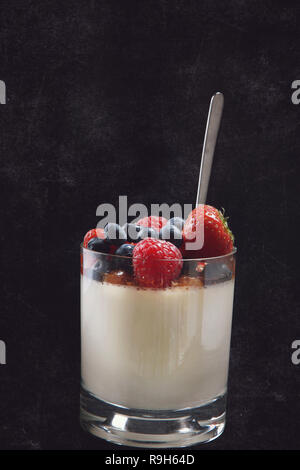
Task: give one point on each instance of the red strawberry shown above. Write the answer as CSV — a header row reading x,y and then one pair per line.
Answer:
x,y
156,262
212,225
153,221
95,232
200,267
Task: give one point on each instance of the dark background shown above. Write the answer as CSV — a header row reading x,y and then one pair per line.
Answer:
x,y
109,98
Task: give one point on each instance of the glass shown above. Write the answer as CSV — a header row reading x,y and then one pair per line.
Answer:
x,y
154,362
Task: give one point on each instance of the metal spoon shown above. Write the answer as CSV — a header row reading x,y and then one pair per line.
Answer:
x,y
210,139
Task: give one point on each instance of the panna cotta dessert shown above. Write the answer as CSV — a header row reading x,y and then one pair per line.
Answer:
x,y
156,317
155,349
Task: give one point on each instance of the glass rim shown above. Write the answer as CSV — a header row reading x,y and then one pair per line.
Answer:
x,y
199,260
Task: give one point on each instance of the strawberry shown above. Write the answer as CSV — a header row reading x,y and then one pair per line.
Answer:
x,y
212,225
153,221
200,267
95,232
156,263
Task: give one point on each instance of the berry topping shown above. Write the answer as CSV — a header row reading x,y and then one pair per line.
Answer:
x,y
178,222
200,267
132,232
125,250
97,271
156,263
207,223
171,234
216,272
147,232
94,233
153,221
115,234
99,245
124,264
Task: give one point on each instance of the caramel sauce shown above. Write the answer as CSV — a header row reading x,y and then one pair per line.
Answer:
x,y
120,278
188,281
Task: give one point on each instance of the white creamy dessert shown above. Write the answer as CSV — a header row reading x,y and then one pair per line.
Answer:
x,y
155,349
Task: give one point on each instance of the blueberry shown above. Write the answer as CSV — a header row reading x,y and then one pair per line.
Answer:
x,y
216,272
115,234
171,234
124,264
132,232
146,232
99,245
99,269
178,222
125,250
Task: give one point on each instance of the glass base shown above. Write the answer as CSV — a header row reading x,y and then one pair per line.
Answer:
x,y
152,428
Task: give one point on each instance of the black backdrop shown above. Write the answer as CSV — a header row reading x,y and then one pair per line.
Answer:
x,y
108,98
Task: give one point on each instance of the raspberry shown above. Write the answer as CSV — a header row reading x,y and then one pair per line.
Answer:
x,y
156,263
95,232
153,221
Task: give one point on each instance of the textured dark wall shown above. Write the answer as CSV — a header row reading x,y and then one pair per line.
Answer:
x,y
111,97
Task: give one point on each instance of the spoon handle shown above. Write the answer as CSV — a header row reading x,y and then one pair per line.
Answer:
x,y
210,139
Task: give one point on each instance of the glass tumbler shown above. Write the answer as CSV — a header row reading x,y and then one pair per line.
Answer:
x,y
154,361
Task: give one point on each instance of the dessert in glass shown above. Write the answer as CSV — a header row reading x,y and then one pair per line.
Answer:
x,y
155,330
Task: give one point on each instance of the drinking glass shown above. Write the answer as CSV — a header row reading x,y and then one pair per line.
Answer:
x,y
154,362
